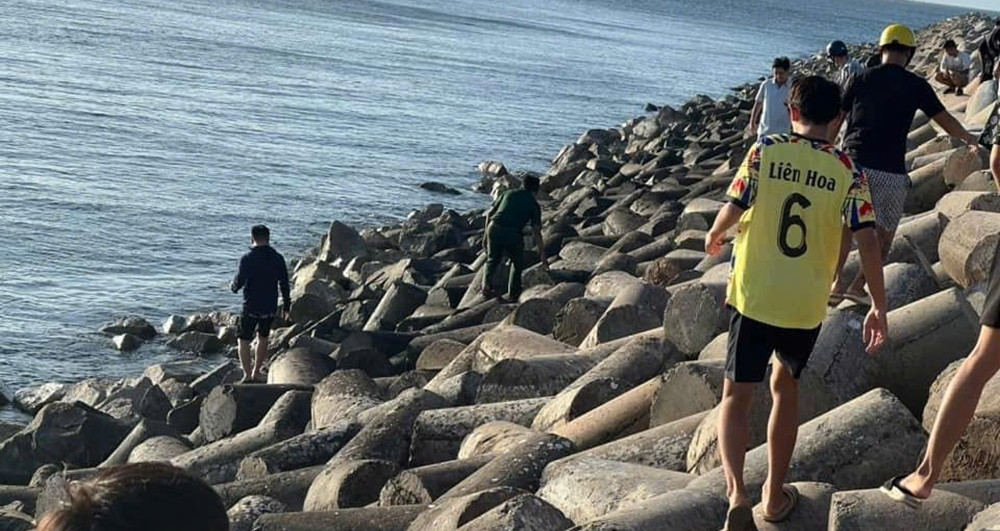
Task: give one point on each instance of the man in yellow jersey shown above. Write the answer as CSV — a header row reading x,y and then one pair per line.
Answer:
x,y
791,196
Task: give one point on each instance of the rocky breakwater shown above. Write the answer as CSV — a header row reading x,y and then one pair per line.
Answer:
x,y
399,399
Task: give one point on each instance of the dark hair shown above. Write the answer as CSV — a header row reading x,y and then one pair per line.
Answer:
x,y
531,183
147,496
950,44
817,98
782,62
260,233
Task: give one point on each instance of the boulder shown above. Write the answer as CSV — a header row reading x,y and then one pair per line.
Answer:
x,y
32,399
342,243
173,325
199,343
135,326
439,188
185,371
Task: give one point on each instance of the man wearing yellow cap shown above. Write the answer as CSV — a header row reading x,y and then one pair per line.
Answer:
x,y
880,103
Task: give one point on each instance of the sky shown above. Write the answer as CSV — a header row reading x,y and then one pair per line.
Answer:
x,y
991,5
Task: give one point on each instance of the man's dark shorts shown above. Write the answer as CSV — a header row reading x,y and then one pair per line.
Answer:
x,y
249,324
752,342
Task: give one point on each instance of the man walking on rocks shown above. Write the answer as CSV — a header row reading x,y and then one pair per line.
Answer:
x,y
880,103
504,235
790,197
847,67
963,393
260,274
770,111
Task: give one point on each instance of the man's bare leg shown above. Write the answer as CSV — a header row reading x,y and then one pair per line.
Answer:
x,y
846,242
245,361
260,356
734,437
782,431
957,408
885,238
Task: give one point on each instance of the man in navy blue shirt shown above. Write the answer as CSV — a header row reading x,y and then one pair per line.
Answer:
x,y
261,272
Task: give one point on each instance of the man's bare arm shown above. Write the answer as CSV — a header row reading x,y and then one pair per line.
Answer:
x,y
953,127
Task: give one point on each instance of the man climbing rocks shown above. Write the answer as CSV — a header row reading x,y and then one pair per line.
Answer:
x,y
505,222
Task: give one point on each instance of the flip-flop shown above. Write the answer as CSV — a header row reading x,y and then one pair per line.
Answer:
x,y
792,496
740,519
863,300
899,493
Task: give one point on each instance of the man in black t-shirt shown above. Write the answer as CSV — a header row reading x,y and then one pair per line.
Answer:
x,y
880,103
261,273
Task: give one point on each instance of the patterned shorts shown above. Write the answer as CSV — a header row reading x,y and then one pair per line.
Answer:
x,y
889,192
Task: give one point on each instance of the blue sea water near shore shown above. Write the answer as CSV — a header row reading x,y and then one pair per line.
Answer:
x,y
140,139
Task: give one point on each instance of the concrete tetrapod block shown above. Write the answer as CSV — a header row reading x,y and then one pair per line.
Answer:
x,y
987,520
537,315
217,462
577,318
396,518
610,284
387,437
955,204
520,467
398,303
18,495
472,316
637,308
245,513
524,513
857,445
308,449
587,488
919,136
968,246
348,484
717,349
453,513
625,415
976,454
144,430
494,438
926,336
514,379
681,510
423,485
289,488
695,314
839,356
641,358
162,448
663,446
230,409
439,354
814,400
342,396
438,434
951,506
688,388
300,366
810,514
940,144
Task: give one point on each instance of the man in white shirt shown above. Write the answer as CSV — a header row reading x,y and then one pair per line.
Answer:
x,y
954,70
770,112
847,67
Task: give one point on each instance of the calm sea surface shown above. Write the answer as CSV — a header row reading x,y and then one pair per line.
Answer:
x,y
140,139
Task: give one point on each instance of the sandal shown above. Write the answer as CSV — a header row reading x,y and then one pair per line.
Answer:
x,y
897,492
740,519
792,496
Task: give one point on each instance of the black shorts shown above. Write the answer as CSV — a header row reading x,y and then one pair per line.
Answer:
x,y
254,323
752,342
991,306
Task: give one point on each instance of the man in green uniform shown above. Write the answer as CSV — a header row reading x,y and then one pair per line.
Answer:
x,y
504,225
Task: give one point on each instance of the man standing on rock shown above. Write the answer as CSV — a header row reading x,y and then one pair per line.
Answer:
x,y
964,392
504,226
261,272
847,67
770,110
791,197
953,72
880,104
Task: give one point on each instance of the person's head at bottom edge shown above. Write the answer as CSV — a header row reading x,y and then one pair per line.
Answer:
x,y
143,496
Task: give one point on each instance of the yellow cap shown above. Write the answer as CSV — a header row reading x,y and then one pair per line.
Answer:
x,y
898,34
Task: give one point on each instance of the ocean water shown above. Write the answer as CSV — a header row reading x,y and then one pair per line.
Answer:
x,y
139,139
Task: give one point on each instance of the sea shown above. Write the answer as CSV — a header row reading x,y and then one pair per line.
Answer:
x,y
140,139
